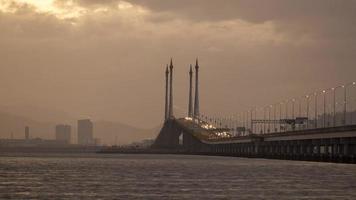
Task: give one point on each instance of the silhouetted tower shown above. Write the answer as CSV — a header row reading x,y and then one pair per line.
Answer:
x,y
63,133
171,90
196,100
166,114
190,105
85,132
27,132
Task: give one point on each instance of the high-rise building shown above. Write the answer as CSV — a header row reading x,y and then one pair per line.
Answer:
x,y
85,132
27,132
63,133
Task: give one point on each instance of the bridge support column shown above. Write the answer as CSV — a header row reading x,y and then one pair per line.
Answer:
x,y
346,149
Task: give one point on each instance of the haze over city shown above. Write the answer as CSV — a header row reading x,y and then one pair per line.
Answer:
x,y
105,60
178,99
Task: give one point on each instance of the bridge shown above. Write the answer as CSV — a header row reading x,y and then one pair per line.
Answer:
x,y
328,133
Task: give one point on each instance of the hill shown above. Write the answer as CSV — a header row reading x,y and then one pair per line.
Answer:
x,y
108,132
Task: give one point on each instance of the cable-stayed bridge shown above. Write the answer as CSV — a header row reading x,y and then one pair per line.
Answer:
x,y
320,126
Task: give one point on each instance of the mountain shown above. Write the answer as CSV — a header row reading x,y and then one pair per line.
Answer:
x,y
107,131
119,133
11,124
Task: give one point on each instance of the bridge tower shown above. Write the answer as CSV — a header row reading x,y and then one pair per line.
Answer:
x,y
166,114
171,90
190,105
196,100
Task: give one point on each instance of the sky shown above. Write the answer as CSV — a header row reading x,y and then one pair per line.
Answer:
x,y
105,59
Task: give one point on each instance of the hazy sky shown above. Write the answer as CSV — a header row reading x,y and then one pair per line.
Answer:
x,y
105,59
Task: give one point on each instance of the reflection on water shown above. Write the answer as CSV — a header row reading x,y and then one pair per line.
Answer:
x,y
93,176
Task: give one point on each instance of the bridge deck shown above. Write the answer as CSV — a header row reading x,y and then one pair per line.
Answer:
x,y
204,135
336,144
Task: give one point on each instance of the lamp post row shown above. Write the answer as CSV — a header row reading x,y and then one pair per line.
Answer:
x,y
245,119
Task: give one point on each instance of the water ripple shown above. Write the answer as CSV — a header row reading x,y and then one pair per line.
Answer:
x,y
95,176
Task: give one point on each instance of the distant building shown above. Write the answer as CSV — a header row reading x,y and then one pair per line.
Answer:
x,y
34,142
97,141
85,132
63,133
27,132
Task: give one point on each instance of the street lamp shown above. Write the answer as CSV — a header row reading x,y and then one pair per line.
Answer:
x,y
324,117
269,118
345,103
344,116
264,120
245,121
307,99
293,102
251,120
237,124
287,109
259,124
300,107
274,118
334,107
299,110
280,115
316,110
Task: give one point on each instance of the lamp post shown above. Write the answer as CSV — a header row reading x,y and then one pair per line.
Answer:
x,y
251,120
293,102
238,120
243,122
274,118
287,109
351,113
300,107
324,105
316,110
269,118
246,121
264,120
280,115
300,111
259,125
334,106
249,114
344,116
254,124
345,99
307,99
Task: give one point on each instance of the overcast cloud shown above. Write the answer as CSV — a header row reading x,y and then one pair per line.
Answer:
x,y
105,59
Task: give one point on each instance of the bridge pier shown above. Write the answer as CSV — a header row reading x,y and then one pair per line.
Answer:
x,y
333,148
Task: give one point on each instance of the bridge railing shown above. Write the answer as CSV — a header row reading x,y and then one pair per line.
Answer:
x,y
200,131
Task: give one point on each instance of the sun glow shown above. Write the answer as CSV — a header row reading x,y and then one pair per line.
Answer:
x,y
64,10
70,9
41,5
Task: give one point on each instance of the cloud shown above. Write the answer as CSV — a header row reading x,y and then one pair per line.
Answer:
x,y
108,61
322,20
